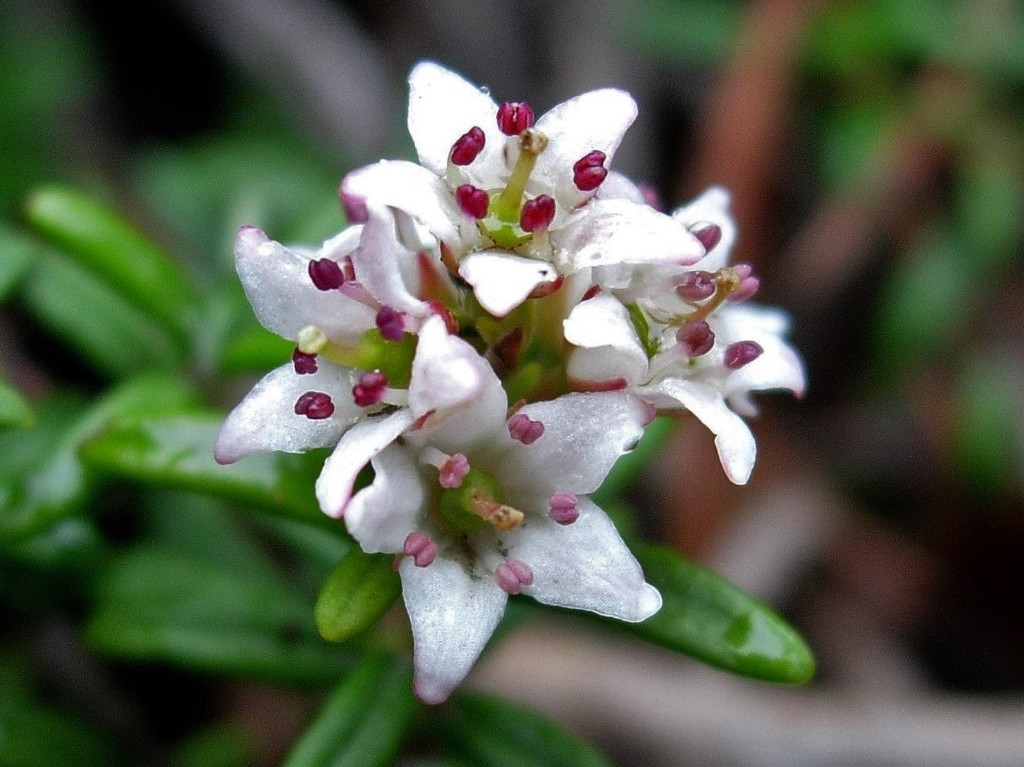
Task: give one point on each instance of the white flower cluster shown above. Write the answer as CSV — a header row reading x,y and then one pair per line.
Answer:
x,y
492,332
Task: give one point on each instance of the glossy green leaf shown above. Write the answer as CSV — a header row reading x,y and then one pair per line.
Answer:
x,y
118,339
36,736
107,245
359,591
55,482
155,604
14,410
177,451
17,254
255,351
364,721
705,616
490,732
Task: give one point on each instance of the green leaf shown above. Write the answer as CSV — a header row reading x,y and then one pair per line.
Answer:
x,y
628,468
14,410
110,247
359,591
255,351
177,451
705,616
56,481
160,605
490,732
364,721
17,254
118,339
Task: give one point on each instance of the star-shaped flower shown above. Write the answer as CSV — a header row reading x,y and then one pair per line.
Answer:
x,y
481,506
514,204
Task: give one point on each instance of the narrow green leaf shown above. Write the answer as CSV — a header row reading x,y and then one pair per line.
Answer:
x,y
160,605
14,410
113,335
255,351
364,721
359,591
490,732
17,254
102,241
627,469
177,451
705,616
57,482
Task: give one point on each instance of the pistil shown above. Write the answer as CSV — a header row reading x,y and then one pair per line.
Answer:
x,y
509,202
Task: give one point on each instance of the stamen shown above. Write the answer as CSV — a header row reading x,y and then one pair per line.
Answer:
x,y
589,171
453,470
512,575
468,146
741,353
304,364
564,507
390,324
708,234
748,283
311,340
695,338
523,429
326,274
696,285
514,117
537,214
420,547
315,405
472,201
370,389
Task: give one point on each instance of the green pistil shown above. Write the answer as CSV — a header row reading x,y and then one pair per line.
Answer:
x,y
475,504
373,352
643,329
510,201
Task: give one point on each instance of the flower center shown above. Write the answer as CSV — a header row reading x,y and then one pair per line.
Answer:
x,y
475,503
374,351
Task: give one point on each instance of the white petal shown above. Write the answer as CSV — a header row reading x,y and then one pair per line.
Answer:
x,y
585,566
611,347
622,232
408,187
356,448
266,420
501,281
442,107
453,613
457,387
712,207
284,298
383,265
584,434
382,515
618,186
591,121
733,439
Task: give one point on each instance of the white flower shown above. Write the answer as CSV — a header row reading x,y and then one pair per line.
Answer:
x,y
678,338
482,507
515,206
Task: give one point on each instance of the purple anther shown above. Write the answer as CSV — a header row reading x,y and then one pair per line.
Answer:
x,y
588,172
370,389
326,274
453,470
390,324
420,547
741,353
748,283
709,234
537,214
304,364
472,201
695,338
512,575
696,285
354,207
468,146
514,117
522,429
564,507
315,405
